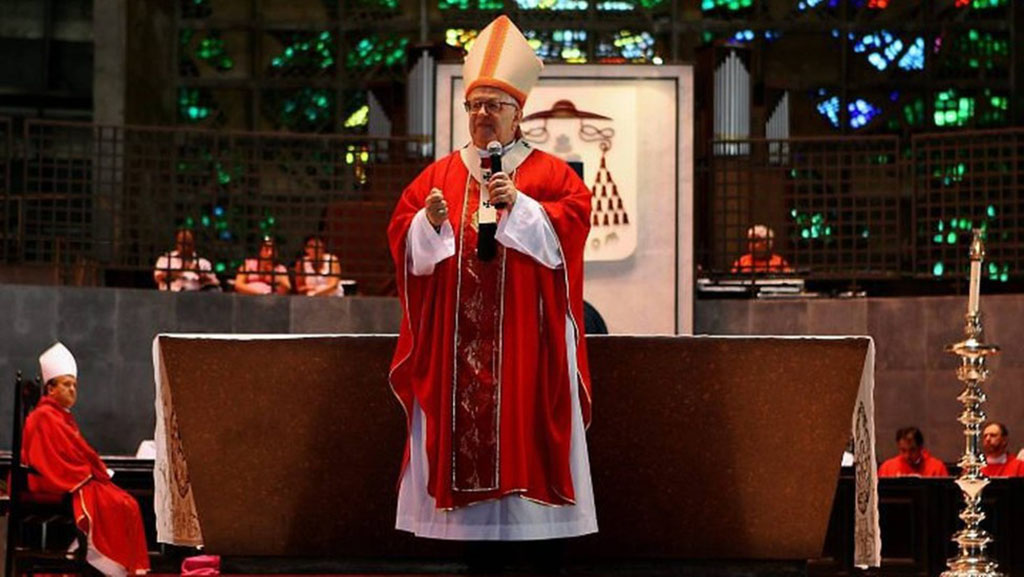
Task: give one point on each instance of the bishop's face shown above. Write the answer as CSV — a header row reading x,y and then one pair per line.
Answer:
x,y
64,390
501,124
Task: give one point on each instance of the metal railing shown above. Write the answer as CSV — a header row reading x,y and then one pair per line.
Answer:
x,y
101,204
867,207
111,198
833,204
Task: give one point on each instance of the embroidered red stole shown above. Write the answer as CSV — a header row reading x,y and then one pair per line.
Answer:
x,y
477,380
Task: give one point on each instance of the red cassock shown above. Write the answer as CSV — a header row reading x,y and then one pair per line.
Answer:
x,y
748,264
1013,467
929,466
482,347
65,463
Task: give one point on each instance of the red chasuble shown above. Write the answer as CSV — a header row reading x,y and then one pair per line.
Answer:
x,y
482,345
899,467
1013,467
54,447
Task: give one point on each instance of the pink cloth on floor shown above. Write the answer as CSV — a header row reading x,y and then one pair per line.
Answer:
x,y
200,565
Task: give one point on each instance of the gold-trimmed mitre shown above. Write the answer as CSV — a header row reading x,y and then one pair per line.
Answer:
x,y
502,58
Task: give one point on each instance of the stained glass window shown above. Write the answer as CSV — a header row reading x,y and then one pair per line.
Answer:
x,y
460,38
913,58
374,50
982,4
951,109
359,118
731,5
305,54
470,4
559,45
829,108
861,112
195,105
628,46
805,5
552,4
301,110
628,5
913,112
993,109
203,47
977,50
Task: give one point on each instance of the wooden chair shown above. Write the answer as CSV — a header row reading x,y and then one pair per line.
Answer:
x,y
32,517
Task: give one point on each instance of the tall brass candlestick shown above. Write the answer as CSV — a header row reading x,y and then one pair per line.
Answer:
x,y
971,560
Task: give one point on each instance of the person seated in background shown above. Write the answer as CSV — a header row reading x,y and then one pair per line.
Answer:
x,y
263,275
61,461
914,460
182,269
317,272
999,462
760,257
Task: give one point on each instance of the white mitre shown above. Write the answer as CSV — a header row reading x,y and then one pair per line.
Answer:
x,y
56,361
502,58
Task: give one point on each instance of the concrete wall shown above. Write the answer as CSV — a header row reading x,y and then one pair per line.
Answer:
x,y
111,332
915,380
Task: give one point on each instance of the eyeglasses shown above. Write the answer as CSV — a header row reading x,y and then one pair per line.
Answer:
x,y
488,106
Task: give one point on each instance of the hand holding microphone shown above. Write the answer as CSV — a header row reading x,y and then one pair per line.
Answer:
x,y
500,190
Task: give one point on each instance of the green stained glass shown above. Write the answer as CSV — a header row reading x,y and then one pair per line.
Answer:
x,y
195,105
952,110
913,112
976,51
302,110
730,5
304,54
988,4
488,5
373,51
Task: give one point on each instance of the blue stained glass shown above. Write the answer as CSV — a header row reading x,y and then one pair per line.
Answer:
x,y
913,59
861,112
829,108
882,48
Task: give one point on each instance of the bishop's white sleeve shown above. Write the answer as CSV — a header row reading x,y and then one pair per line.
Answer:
x,y
425,246
526,228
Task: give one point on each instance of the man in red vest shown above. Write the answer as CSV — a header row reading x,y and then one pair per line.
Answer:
x,y
914,460
998,461
62,462
491,365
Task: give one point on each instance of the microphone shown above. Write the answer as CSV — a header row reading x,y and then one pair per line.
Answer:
x,y
486,245
494,151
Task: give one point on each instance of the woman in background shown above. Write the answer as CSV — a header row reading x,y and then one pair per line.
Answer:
x,y
317,273
263,275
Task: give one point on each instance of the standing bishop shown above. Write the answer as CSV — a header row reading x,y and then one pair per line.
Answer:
x,y
491,365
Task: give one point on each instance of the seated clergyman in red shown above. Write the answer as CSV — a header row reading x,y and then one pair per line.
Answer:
x,y
62,462
999,461
913,460
760,258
